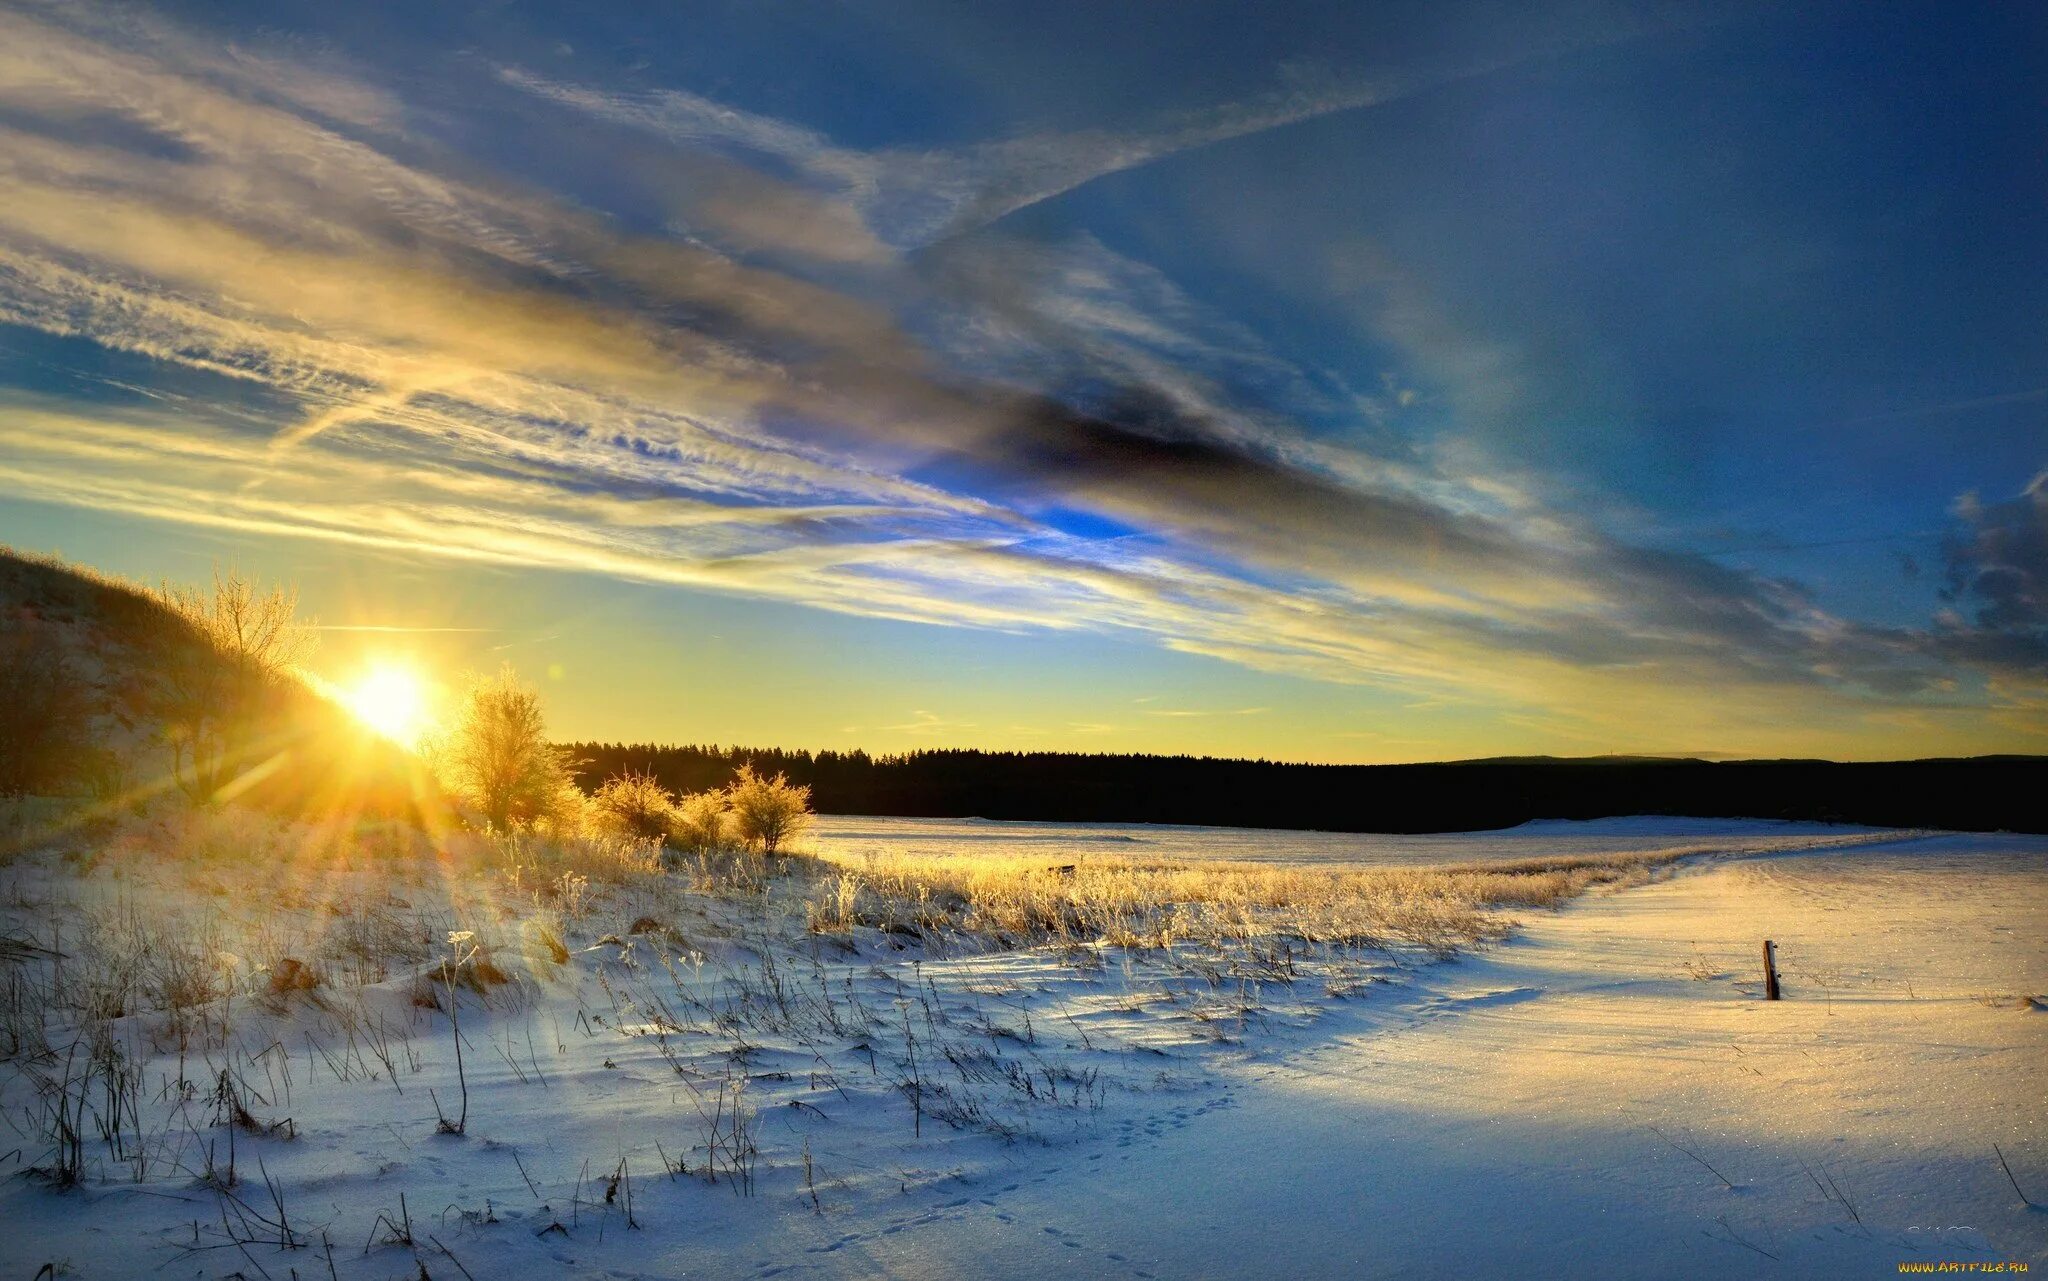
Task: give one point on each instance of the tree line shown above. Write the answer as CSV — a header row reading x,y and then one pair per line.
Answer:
x,y
1971,794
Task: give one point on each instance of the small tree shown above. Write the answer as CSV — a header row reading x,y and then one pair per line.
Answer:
x,y
768,812
226,653
497,755
700,821
637,805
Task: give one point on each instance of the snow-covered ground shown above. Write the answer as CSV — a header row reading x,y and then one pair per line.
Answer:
x,y
1551,1108
1574,1102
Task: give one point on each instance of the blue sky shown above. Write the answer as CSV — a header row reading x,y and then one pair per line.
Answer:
x,y
1342,382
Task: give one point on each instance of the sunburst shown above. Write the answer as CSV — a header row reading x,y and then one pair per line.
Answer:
x,y
391,698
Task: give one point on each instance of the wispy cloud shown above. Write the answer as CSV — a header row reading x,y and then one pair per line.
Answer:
x,y
913,197
478,370
1952,407
923,722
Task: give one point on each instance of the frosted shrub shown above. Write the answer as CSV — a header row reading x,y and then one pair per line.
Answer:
x,y
701,822
768,813
635,805
498,757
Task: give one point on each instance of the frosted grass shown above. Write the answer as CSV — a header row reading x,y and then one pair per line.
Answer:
x,y
852,836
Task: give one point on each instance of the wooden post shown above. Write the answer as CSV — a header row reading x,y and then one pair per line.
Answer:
x,y
1770,971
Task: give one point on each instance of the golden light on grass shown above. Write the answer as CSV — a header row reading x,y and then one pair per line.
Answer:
x,y
391,698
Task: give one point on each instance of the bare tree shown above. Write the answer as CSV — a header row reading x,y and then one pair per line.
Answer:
x,y
221,662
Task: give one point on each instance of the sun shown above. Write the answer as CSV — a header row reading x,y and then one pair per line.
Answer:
x,y
390,698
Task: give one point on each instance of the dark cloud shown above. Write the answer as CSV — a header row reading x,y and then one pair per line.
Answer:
x,y
1996,559
1995,572
1142,457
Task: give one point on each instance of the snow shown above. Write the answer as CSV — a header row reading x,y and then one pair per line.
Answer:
x,y
1524,1113
851,835
1548,1107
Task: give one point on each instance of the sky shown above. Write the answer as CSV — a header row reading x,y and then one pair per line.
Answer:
x,y
1330,382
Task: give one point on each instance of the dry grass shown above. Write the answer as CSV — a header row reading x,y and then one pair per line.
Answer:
x,y
1131,902
183,908
335,906
536,862
1138,903
281,910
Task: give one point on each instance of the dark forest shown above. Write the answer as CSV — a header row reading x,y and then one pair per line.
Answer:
x,y
1992,793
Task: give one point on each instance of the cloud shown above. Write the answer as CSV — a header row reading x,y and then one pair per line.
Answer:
x,y
913,197
782,405
924,722
1995,572
1997,558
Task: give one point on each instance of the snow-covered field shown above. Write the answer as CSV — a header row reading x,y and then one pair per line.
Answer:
x,y
982,837
1577,1101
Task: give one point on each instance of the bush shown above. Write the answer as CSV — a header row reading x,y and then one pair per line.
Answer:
x,y
498,758
635,805
700,822
768,812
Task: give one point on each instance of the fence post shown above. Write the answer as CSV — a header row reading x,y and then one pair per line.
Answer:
x,y
1770,971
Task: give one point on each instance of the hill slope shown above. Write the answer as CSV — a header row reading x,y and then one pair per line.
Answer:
x,y
89,667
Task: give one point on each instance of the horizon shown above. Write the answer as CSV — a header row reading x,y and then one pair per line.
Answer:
x,y
1420,385
1681,758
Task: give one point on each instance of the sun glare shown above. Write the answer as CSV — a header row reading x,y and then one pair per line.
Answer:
x,y
391,699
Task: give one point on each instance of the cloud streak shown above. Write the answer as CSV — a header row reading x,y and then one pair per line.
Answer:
x,y
912,197
782,403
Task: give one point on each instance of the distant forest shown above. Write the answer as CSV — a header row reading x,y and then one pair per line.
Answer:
x,y
1992,793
